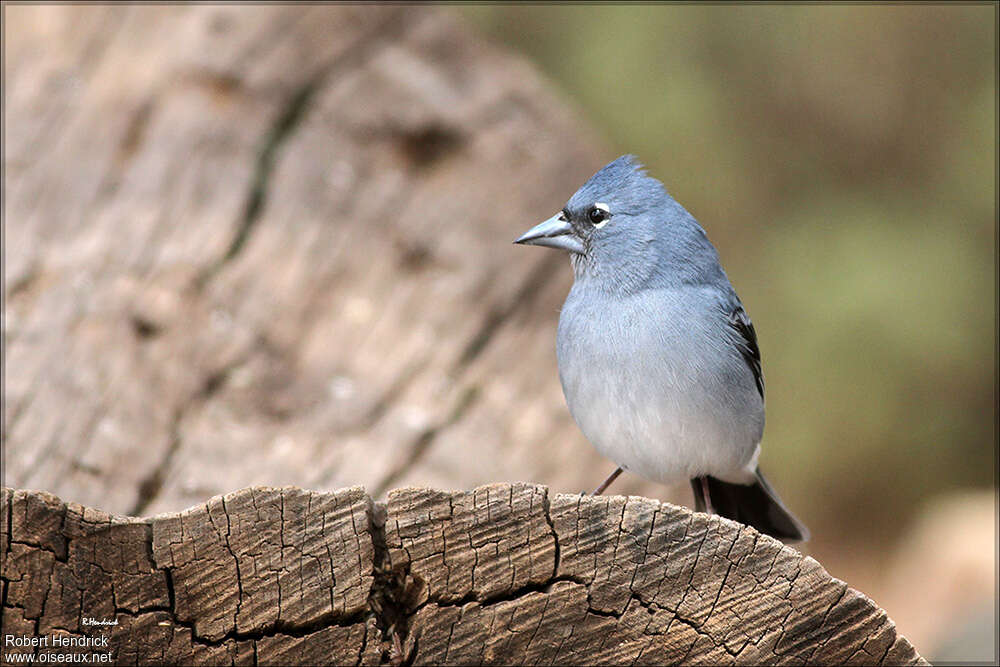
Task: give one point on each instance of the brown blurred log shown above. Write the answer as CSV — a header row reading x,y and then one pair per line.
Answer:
x,y
504,574
268,245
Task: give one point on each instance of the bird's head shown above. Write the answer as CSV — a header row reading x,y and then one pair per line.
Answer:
x,y
609,205
623,228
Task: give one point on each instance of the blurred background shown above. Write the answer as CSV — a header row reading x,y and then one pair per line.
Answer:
x,y
263,245
842,159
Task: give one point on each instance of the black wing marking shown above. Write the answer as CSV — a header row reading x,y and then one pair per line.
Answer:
x,y
747,342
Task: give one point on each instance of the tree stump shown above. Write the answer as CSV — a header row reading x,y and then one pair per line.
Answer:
x,y
504,574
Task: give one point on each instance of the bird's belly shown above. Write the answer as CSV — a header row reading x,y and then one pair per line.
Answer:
x,y
663,440
656,411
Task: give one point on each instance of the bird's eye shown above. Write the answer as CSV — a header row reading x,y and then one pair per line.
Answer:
x,y
599,214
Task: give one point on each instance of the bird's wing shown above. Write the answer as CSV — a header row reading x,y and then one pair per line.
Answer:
x,y
747,343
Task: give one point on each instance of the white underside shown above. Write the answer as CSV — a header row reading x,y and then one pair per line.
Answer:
x,y
658,389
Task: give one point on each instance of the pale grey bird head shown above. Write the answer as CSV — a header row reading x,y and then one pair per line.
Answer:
x,y
623,231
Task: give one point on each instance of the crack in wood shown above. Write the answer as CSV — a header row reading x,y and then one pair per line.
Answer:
x,y
287,121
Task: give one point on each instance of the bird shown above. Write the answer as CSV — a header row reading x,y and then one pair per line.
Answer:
x,y
658,359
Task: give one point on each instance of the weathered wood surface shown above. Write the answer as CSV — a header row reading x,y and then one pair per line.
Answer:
x,y
504,574
266,245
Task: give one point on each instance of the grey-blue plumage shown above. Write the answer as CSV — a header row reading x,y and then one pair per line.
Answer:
x,y
658,359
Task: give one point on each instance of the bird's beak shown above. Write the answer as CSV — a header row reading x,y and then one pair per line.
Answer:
x,y
554,233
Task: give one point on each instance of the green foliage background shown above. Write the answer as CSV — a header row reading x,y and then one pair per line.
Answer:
x,y
843,160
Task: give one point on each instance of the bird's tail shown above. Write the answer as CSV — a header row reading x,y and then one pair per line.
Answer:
x,y
755,504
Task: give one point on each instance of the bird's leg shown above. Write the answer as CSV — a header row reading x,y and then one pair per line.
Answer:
x,y
699,494
606,483
707,495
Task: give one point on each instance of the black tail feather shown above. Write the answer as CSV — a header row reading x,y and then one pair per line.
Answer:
x,y
756,505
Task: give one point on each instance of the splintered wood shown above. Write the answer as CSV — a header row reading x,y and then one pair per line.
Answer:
x,y
503,574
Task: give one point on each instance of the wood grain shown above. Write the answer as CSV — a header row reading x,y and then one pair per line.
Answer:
x,y
266,245
503,574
